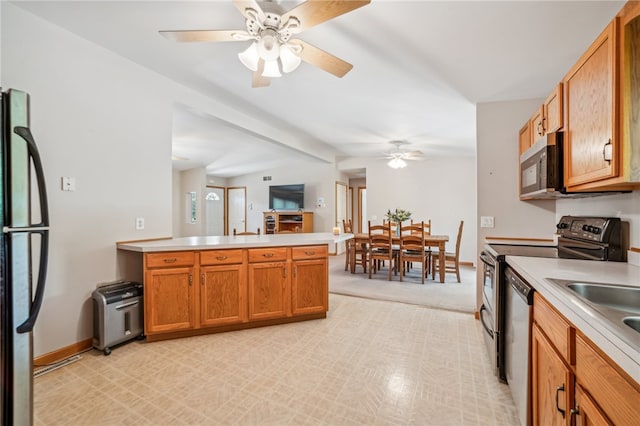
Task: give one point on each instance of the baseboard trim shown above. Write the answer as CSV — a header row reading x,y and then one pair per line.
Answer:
x,y
63,353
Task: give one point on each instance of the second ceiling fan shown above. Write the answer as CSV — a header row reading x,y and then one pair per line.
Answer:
x,y
271,29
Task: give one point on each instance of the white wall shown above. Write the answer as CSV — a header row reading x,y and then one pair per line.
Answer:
x,y
440,189
107,122
193,180
498,124
319,180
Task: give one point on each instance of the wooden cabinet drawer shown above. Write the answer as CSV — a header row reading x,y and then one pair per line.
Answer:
x,y
168,259
616,397
309,252
220,257
555,327
270,254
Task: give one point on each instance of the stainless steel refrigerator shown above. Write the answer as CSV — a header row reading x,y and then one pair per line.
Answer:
x,y
23,255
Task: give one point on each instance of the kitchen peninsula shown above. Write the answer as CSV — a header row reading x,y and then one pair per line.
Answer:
x,y
199,285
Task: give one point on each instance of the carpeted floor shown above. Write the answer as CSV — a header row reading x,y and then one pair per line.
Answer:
x,y
451,295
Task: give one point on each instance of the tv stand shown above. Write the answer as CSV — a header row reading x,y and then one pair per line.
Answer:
x,y
295,221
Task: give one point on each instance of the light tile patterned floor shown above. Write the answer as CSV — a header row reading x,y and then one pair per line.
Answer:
x,y
369,363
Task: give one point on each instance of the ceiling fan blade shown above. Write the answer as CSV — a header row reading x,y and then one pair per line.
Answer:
x,y
258,79
243,5
322,59
314,12
206,35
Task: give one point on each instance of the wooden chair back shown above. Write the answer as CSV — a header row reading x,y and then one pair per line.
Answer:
x,y
246,233
347,226
458,240
426,225
380,246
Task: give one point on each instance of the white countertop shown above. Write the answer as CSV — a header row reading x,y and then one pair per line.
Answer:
x,y
591,322
239,241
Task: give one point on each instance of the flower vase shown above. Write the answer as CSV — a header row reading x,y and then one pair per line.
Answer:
x,y
398,228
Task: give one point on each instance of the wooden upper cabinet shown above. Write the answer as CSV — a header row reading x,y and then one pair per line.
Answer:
x,y
629,48
553,111
537,124
525,137
591,144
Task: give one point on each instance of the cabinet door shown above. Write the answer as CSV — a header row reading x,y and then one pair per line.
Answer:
x,y
309,287
537,125
223,298
524,137
169,300
268,291
552,383
587,412
590,102
553,118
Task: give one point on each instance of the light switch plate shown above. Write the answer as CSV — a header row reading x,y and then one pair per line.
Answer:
x,y
68,183
486,221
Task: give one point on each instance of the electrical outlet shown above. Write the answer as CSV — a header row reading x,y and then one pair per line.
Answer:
x,y
486,221
68,183
139,223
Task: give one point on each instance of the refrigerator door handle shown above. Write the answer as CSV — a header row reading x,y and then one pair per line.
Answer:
x,y
27,326
25,134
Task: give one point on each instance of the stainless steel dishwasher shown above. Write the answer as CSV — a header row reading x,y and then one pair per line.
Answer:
x,y
518,310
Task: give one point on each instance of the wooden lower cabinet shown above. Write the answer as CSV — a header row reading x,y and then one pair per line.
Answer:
x,y
223,295
573,379
169,299
586,411
552,383
268,290
197,292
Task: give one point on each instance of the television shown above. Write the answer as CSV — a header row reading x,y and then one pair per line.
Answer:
x,y
286,197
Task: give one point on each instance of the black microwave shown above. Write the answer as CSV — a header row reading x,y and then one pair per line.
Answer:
x,y
541,169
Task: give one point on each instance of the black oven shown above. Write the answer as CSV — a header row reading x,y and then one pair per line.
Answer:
x,y
579,237
488,312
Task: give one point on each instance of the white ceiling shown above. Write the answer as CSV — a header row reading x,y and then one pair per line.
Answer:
x,y
419,69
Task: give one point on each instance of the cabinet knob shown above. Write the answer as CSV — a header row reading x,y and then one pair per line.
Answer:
x,y
221,257
309,253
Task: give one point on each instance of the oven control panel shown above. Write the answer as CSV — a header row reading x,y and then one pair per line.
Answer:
x,y
597,229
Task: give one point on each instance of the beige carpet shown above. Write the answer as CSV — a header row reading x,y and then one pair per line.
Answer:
x,y
451,295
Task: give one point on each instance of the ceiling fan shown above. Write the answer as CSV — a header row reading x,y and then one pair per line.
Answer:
x,y
271,29
398,156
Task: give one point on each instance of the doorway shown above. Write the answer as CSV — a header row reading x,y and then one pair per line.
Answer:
x,y
214,199
236,209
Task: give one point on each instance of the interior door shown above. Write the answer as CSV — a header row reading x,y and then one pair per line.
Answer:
x,y
214,210
236,209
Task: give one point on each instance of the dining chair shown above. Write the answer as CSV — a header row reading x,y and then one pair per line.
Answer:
x,y
426,225
380,248
413,249
245,233
355,253
451,260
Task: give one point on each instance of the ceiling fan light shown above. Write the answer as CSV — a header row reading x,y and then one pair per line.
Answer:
x,y
269,45
397,163
250,57
290,61
271,69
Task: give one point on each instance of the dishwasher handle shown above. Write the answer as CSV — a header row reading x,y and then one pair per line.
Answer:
x,y
484,324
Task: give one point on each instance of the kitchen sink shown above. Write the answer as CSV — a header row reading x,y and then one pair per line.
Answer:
x,y
633,322
617,305
618,297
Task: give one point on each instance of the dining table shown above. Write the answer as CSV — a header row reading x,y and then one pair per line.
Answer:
x,y
429,240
